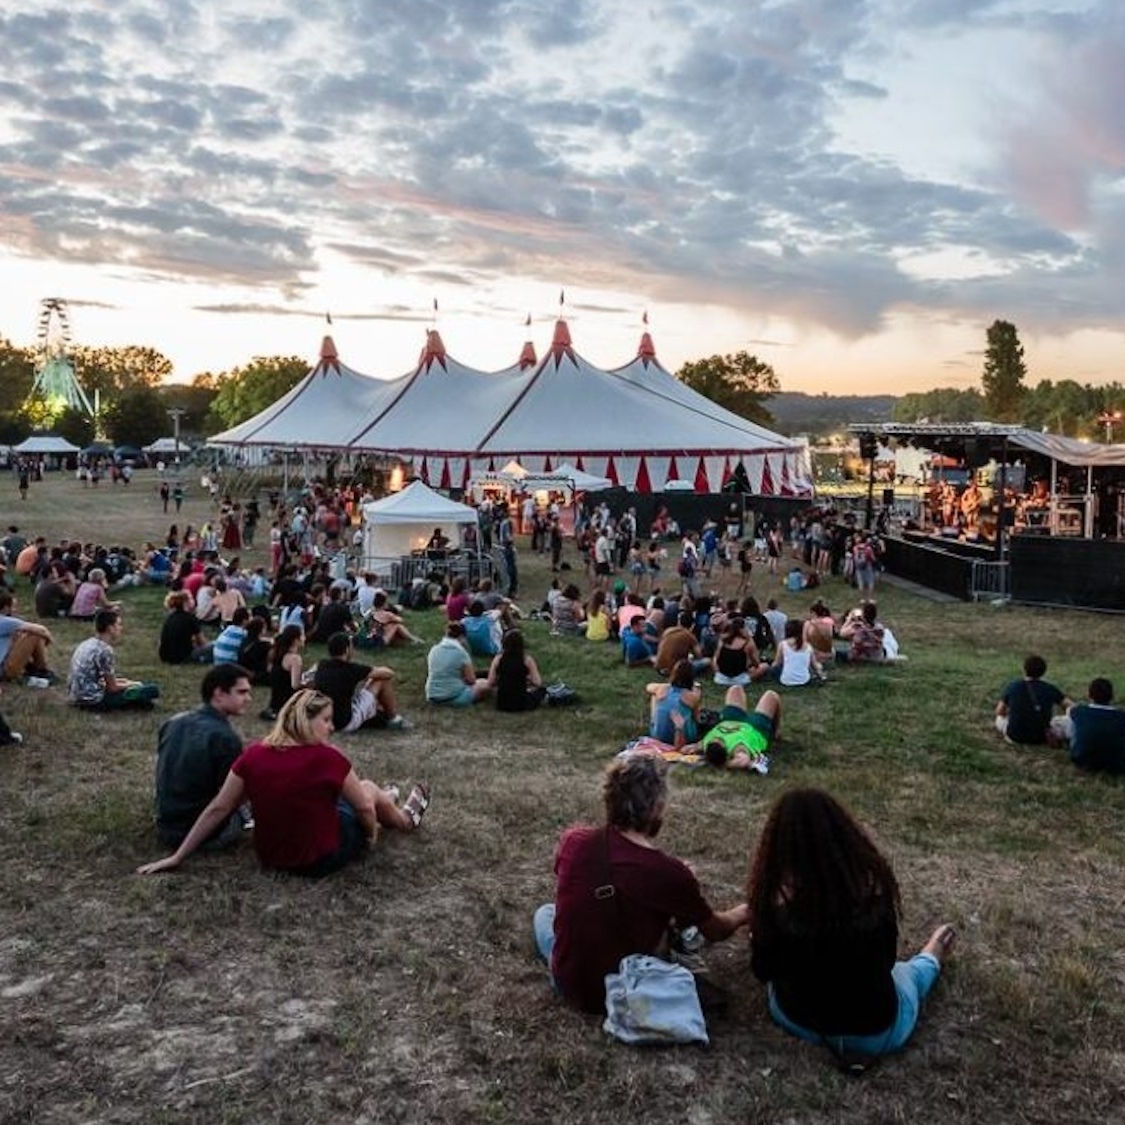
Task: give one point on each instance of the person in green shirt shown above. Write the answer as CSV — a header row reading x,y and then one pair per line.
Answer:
x,y
742,738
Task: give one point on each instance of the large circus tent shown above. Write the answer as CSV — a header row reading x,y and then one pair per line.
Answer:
x,y
636,425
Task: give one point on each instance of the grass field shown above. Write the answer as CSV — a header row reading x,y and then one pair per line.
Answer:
x,y
405,989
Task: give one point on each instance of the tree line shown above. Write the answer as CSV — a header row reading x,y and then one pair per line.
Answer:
x,y
134,395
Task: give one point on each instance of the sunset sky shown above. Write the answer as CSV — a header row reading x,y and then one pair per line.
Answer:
x,y
851,189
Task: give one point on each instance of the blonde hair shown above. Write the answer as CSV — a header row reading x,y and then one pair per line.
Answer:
x,y
96,575
294,722
177,599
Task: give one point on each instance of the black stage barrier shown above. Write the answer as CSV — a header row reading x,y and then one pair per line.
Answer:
x,y
1062,570
932,563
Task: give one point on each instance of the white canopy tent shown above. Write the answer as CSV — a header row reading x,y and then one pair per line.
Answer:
x,y
404,521
167,445
39,444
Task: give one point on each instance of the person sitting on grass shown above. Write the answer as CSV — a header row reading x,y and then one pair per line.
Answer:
x,y
514,676
637,648
228,644
285,669
362,695
335,616
392,627
796,663
181,638
567,615
1024,712
820,628
23,644
1097,730
254,654
742,738
580,935
94,684
599,624
90,597
737,660
312,813
674,705
824,912
482,629
864,632
678,642
450,676
194,753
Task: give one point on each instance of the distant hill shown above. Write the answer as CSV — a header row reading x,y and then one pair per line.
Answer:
x,y
797,413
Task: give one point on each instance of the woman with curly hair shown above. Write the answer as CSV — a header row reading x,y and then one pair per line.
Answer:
x,y
824,910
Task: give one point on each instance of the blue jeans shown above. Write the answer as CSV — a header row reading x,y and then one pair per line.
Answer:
x,y
913,981
353,842
544,925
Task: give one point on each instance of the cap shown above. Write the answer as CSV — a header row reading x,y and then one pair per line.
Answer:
x,y
619,587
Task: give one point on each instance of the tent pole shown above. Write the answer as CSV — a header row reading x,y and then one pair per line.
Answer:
x,y
1001,522
1053,521
1089,502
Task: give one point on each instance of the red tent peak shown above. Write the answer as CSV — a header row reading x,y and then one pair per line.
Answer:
x,y
560,343
434,350
329,357
527,356
647,349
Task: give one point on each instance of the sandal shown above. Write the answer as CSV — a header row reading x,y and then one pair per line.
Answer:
x,y
417,803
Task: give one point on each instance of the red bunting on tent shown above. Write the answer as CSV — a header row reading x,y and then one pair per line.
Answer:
x,y
701,484
643,483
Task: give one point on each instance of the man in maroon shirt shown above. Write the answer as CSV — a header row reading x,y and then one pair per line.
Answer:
x,y
617,893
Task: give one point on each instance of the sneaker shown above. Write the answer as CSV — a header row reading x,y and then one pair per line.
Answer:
x,y
687,950
37,682
14,738
399,723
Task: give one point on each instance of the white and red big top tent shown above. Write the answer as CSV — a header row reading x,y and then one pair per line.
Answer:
x,y
637,425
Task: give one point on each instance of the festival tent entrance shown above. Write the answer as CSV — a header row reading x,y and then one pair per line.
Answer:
x,y
402,523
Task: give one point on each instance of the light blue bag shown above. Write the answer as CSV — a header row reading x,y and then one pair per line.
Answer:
x,y
649,1001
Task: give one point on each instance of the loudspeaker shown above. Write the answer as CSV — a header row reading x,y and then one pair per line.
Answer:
x,y
888,497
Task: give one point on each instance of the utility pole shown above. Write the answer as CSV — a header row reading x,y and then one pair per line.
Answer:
x,y
176,413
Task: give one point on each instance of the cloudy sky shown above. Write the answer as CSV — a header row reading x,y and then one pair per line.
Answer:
x,y
851,189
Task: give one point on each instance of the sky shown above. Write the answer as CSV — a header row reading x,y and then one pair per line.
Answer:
x,y
852,190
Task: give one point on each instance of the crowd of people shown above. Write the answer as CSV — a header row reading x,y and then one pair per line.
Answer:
x,y
821,904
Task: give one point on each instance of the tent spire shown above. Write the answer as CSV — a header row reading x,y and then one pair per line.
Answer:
x,y
646,351
433,351
560,343
528,357
329,357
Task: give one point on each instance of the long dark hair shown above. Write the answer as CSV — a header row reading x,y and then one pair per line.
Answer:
x,y
815,864
283,643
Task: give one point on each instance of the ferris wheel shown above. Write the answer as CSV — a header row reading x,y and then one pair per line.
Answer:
x,y
55,377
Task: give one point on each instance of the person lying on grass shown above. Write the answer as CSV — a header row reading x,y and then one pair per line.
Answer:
x,y
312,813
617,893
741,739
824,909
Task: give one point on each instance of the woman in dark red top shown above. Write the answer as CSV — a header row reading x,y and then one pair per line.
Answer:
x,y
824,909
312,813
